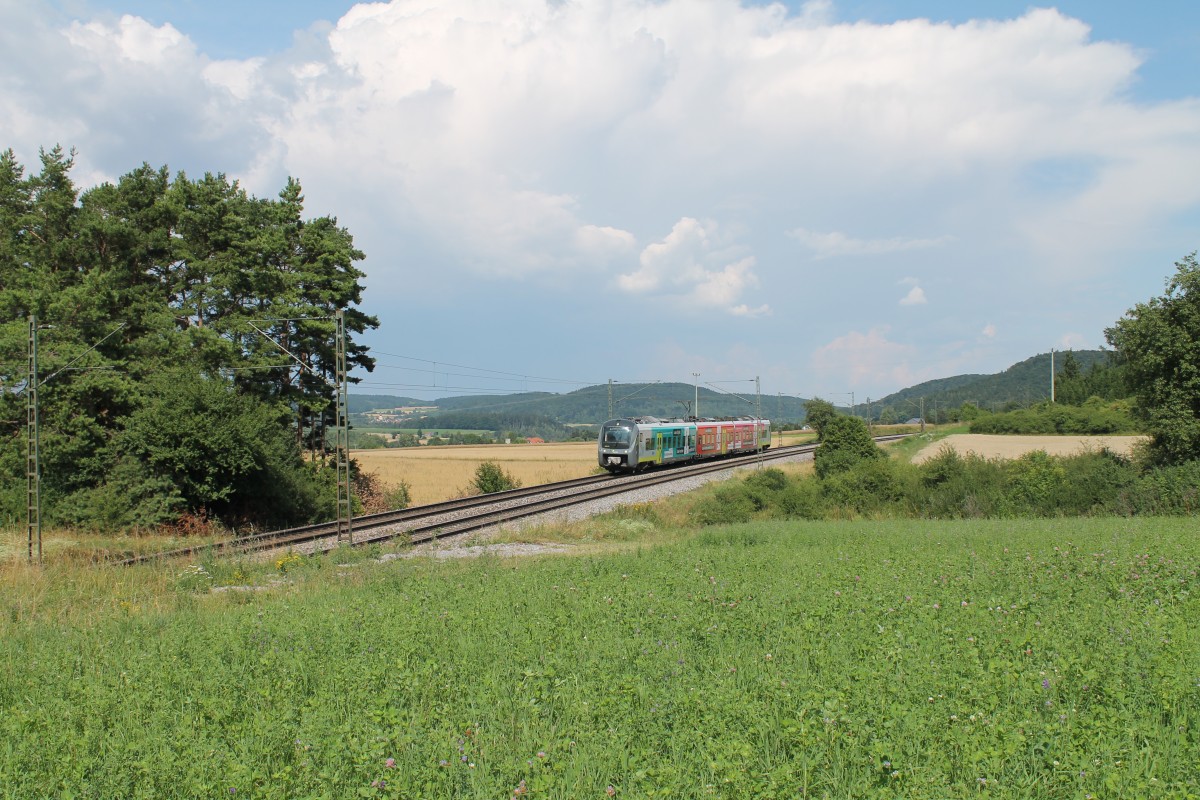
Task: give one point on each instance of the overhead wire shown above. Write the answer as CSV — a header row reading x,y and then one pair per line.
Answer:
x,y
513,375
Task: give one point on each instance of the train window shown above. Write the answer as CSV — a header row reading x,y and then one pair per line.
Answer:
x,y
617,437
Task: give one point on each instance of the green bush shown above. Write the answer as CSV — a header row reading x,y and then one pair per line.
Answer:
x,y
1035,480
846,442
802,500
868,486
950,486
1096,483
958,487
491,478
729,503
1166,490
1093,418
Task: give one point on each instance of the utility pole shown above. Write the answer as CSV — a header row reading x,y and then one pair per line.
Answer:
x,y
610,416
345,520
345,516
696,386
758,419
922,414
33,467
870,429
1051,375
779,415
33,475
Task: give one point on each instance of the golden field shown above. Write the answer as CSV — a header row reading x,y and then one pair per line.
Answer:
x,y
1008,446
434,474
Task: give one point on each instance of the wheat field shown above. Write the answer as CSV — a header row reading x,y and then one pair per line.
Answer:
x,y
1007,446
434,474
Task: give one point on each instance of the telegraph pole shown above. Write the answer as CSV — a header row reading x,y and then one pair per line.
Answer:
x,y
33,467
1051,375
696,386
758,418
779,415
345,518
33,474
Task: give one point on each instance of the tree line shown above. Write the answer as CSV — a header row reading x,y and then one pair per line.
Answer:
x,y
186,344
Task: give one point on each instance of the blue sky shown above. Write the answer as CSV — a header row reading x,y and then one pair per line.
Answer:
x,y
835,196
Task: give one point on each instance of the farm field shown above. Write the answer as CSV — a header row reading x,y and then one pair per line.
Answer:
x,y
995,446
1007,659
441,473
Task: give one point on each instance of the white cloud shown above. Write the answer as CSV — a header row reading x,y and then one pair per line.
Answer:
x,y
501,130
744,310
693,262
829,245
915,297
535,142
859,359
132,39
1071,341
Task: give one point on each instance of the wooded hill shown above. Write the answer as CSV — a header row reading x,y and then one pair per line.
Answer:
x,y
1022,384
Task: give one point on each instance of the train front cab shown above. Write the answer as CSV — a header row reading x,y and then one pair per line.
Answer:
x,y
617,448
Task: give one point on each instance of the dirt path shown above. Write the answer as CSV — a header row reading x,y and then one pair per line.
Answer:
x,y
990,446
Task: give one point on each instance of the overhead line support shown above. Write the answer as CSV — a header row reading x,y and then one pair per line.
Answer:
x,y
33,510
345,518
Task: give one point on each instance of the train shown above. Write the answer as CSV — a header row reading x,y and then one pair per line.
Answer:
x,y
636,443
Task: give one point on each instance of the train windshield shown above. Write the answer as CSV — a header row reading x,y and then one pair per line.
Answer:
x,y
617,437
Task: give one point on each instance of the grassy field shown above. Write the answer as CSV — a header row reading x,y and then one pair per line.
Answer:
x,y
1013,659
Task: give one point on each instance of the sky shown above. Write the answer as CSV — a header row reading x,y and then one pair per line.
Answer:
x,y
842,199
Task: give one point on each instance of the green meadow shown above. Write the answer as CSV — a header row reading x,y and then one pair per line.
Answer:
x,y
909,659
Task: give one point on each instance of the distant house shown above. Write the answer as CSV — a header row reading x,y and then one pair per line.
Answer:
x,y
534,440
915,421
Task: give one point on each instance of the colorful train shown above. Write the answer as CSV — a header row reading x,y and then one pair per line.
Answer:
x,y
633,444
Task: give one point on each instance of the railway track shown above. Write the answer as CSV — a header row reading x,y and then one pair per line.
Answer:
x,y
457,517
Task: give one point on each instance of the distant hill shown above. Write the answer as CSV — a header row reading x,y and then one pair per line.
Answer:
x,y
1023,383
590,405
362,403
664,400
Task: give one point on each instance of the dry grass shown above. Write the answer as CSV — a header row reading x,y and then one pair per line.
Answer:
x,y
993,446
64,547
434,474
